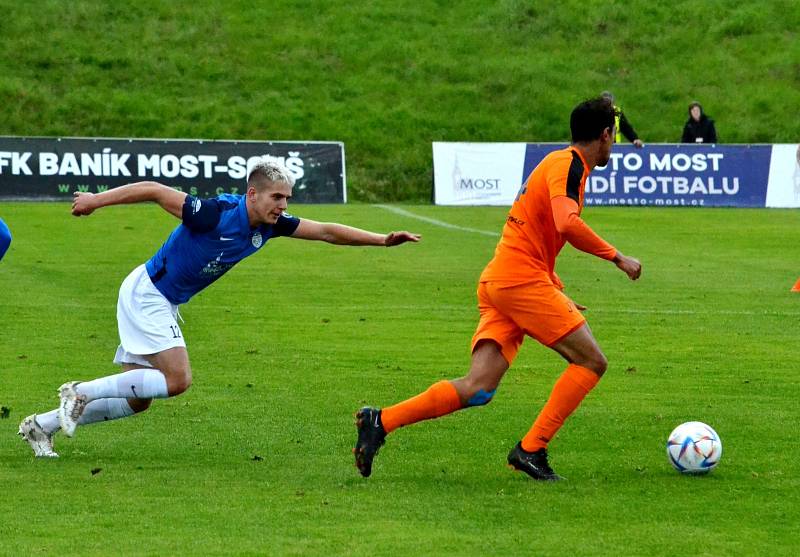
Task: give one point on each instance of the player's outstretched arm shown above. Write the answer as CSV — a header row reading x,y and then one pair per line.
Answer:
x,y
340,234
85,203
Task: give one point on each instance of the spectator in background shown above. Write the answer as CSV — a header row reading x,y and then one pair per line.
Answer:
x,y
5,238
699,128
622,125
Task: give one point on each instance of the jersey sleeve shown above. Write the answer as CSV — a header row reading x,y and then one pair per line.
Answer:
x,y
573,228
5,238
286,225
564,177
200,215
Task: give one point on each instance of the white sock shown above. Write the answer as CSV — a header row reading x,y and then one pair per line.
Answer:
x,y
136,383
49,421
104,409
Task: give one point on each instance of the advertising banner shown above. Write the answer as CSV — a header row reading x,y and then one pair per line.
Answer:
x,y
682,175
53,168
784,176
477,173
676,175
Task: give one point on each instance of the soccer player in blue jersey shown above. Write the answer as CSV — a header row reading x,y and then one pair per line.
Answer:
x,y
5,238
213,236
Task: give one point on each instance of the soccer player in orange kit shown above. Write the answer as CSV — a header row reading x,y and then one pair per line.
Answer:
x,y
519,294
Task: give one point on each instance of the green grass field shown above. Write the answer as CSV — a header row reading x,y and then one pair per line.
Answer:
x,y
387,78
255,458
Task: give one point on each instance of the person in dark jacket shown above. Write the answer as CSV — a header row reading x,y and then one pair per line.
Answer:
x,y
621,123
699,128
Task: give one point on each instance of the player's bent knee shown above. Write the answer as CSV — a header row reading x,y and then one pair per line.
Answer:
x,y
593,360
481,398
139,404
179,382
598,364
602,364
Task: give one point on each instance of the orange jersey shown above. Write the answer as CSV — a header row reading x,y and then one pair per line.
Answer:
x,y
544,216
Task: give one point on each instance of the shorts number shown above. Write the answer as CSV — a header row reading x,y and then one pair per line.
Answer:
x,y
176,331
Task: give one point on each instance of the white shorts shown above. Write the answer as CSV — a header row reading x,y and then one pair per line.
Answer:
x,y
147,321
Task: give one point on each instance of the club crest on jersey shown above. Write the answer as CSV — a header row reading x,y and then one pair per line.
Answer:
x,y
257,240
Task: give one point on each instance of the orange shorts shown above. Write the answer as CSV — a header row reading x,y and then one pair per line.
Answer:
x,y
537,309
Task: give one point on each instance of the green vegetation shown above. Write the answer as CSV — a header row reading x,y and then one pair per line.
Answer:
x,y
255,458
388,78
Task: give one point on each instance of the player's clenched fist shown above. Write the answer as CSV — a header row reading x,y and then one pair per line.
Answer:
x,y
628,265
82,203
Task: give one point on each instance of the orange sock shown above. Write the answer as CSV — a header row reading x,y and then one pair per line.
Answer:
x,y
441,398
568,392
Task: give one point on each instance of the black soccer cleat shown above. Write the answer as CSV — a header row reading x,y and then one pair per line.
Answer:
x,y
371,436
534,464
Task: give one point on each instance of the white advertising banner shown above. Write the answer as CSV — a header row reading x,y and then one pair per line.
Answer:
x,y
784,176
477,173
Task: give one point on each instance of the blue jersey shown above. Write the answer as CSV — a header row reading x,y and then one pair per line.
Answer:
x,y
214,236
5,238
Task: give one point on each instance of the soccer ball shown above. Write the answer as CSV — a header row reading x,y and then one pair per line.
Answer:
x,y
694,448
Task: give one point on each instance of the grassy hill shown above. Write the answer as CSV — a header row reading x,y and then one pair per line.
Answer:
x,y
387,78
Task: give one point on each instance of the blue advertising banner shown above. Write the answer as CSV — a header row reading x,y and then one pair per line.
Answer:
x,y
674,175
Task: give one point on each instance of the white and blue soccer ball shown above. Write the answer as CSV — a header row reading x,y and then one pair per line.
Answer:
x,y
694,448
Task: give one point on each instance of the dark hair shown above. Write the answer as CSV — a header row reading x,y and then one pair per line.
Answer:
x,y
590,118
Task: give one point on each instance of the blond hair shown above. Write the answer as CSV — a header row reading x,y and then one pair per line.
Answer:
x,y
267,170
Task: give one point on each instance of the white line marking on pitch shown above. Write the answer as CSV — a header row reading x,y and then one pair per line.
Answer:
x,y
767,313
441,223
470,308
